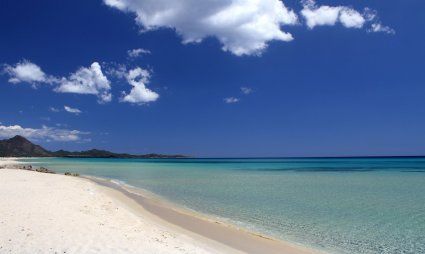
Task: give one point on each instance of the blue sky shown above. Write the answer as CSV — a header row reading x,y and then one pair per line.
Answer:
x,y
215,78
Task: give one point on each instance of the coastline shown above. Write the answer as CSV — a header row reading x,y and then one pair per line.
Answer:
x,y
193,222
54,213
214,236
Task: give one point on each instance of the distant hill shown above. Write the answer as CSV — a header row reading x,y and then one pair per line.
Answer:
x,y
19,146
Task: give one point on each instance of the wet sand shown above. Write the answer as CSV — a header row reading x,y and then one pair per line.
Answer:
x,y
236,238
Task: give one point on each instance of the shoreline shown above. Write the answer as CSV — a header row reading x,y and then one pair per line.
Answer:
x,y
194,222
217,234
54,213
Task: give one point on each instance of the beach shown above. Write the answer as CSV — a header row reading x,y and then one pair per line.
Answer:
x,y
54,213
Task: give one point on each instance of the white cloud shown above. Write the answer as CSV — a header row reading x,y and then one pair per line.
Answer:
x,y
246,90
72,110
134,53
26,71
378,27
330,15
243,27
44,133
139,94
87,81
324,15
231,100
351,18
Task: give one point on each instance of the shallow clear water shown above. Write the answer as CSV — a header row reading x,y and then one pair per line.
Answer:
x,y
369,205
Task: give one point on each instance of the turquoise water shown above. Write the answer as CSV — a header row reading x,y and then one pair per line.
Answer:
x,y
373,205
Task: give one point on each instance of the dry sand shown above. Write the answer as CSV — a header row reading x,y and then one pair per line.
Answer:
x,y
47,213
51,213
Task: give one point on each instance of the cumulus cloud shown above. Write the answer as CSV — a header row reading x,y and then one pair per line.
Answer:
x,y
89,80
230,100
43,133
351,18
246,90
139,94
243,27
134,53
329,15
28,72
72,110
325,15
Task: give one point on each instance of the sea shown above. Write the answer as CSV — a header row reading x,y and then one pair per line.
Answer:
x,y
336,205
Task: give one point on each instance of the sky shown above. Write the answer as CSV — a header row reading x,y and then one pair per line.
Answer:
x,y
222,78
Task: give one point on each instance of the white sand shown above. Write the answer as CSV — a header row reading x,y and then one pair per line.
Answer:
x,y
48,213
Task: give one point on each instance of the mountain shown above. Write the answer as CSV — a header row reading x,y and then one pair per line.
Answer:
x,y
19,146
95,153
